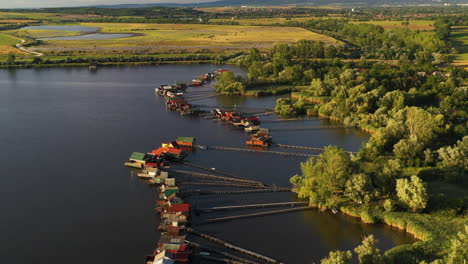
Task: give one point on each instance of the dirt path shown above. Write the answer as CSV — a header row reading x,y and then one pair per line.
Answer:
x,y
20,47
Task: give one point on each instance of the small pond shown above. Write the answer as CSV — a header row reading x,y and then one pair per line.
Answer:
x,y
89,33
65,28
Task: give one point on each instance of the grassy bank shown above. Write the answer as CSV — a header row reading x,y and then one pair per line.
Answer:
x,y
434,230
181,37
272,90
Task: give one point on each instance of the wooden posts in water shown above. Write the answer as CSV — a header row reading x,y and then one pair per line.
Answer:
x,y
225,254
306,148
222,178
234,217
233,247
213,170
306,155
251,206
264,190
306,128
217,183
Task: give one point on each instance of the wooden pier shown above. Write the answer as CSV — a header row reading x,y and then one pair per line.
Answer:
x,y
233,247
195,98
231,107
251,206
235,217
224,254
223,192
216,171
222,178
306,155
221,260
306,128
306,148
224,184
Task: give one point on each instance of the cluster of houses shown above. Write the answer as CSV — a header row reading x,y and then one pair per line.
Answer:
x,y
174,214
261,138
174,94
172,246
151,161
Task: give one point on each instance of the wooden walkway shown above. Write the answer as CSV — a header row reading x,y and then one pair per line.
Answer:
x,y
223,192
225,254
306,128
233,247
195,98
232,107
224,184
306,155
214,171
222,178
235,217
306,148
251,206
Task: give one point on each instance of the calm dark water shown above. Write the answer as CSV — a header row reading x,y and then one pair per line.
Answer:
x,y
65,195
65,28
89,30
91,36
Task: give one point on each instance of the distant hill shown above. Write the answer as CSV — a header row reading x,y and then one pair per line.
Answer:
x,y
294,2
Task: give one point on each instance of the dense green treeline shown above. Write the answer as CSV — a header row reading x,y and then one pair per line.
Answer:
x,y
160,12
38,61
373,42
413,172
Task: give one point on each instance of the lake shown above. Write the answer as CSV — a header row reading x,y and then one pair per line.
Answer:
x,y
88,30
66,196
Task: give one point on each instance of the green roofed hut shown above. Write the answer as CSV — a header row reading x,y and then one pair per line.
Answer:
x,y
137,160
186,141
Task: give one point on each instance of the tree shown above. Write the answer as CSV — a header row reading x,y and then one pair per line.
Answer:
x,y
325,176
407,149
412,193
228,84
11,58
455,156
367,252
420,123
317,88
459,250
358,187
338,257
285,108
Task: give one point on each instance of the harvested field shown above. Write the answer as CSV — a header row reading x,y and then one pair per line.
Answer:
x,y
413,24
7,45
185,37
460,42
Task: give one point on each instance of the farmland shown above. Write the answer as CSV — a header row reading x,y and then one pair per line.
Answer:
x,y
413,24
267,21
7,43
52,17
41,33
460,42
157,38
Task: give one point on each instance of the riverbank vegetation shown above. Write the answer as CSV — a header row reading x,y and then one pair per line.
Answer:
x,y
412,174
151,38
376,69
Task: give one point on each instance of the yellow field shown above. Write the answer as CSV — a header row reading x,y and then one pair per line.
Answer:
x,y
413,24
7,43
41,33
460,42
16,21
229,8
43,16
186,37
267,21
